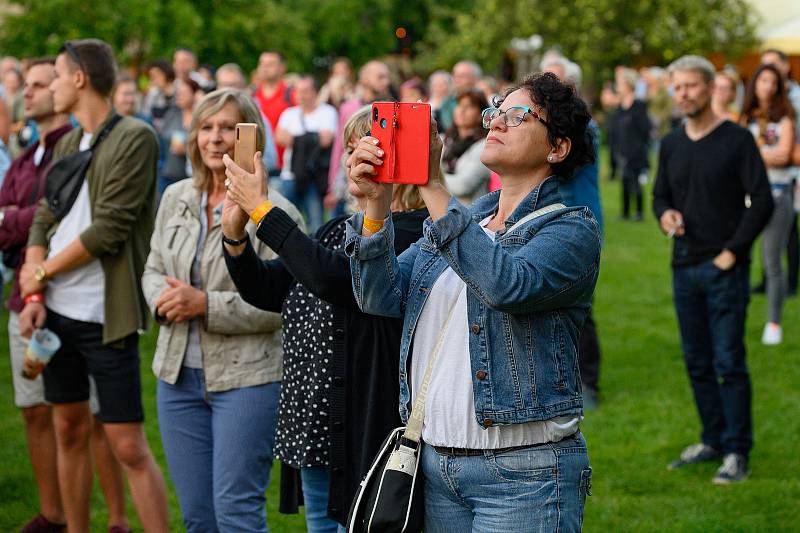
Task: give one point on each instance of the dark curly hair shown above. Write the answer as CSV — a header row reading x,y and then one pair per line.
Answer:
x,y
567,118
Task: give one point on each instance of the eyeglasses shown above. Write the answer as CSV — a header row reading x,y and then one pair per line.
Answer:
x,y
512,117
73,54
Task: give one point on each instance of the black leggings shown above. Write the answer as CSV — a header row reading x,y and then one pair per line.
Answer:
x,y
631,187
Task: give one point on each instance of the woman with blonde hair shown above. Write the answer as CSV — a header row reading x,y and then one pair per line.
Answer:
x,y
340,383
218,359
723,99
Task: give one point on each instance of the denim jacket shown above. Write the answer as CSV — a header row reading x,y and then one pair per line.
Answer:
x,y
529,293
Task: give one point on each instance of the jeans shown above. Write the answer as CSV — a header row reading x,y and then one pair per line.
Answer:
x,y
308,202
316,480
774,242
536,489
711,305
218,447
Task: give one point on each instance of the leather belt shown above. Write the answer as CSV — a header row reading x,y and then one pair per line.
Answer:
x,y
469,452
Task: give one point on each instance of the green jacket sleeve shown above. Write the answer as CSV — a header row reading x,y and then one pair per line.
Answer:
x,y
43,220
119,202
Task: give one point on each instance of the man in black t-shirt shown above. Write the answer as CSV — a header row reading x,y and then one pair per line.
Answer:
x,y
712,195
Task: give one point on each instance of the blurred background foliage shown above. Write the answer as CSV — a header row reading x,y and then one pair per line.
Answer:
x,y
598,34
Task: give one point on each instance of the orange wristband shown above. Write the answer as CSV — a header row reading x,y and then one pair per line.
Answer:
x,y
261,211
374,226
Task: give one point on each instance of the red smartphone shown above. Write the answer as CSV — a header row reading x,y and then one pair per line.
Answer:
x,y
404,132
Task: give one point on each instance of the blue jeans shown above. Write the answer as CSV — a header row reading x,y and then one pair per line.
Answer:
x,y
316,480
309,202
711,305
218,447
536,489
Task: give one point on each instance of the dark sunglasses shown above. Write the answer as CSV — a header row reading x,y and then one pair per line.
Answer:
x,y
73,54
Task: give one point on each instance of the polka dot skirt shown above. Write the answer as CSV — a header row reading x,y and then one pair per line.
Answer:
x,y
302,439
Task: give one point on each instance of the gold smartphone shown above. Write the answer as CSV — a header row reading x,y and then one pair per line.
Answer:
x,y
245,147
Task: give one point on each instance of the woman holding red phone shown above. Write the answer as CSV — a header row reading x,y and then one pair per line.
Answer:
x,y
496,294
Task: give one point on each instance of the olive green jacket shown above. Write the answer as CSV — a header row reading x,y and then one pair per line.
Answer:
x,y
122,185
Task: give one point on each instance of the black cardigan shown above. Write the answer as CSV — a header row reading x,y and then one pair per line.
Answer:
x,y
365,396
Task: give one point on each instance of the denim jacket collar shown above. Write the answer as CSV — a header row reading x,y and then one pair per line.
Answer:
x,y
542,195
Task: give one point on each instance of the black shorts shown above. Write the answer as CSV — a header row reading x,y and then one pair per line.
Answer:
x,y
114,367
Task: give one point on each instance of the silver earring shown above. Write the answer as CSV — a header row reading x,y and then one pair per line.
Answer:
x,y
550,158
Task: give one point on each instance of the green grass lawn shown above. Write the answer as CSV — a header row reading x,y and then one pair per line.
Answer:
x,y
645,419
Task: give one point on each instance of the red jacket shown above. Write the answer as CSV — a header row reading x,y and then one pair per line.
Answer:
x,y
17,189
273,106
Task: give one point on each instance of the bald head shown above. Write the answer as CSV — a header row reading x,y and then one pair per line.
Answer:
x,y
374,80
230,76
465,75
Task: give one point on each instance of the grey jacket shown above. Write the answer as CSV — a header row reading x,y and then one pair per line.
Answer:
x,y
470,180
241,344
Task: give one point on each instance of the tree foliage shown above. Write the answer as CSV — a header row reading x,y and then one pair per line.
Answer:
x,y
596,33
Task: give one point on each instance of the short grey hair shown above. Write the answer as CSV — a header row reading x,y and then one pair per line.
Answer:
x,y
441,74
694,63
629,77
554,60
658,73
476,68
234,67
574,74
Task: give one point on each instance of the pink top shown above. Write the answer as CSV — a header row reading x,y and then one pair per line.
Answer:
x,y
494,182
346,110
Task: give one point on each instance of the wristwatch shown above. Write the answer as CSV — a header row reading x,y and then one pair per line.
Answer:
x,y
236,242
40,274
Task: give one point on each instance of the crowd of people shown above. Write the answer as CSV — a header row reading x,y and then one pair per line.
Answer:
x,y
300,304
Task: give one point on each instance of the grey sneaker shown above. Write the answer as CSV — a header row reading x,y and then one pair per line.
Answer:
x,y
696,453
733,469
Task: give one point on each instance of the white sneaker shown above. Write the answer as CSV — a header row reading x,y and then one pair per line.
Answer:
x,y
773,334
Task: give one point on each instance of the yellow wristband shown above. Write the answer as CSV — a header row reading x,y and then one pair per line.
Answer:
x,y
261,211
374,226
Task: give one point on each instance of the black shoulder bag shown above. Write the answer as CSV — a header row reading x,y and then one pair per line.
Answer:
x,y
65,176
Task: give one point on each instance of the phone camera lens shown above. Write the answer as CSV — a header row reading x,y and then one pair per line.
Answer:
x,y
375,115
383,123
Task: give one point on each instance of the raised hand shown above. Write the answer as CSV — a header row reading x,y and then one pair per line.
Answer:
x,y
248,190
361,169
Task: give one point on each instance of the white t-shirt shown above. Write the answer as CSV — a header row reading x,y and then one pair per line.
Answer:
x,y
38,155
78,294
293,120
450,407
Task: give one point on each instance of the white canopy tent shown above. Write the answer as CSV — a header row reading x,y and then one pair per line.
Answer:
x,y
785,37
779,26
